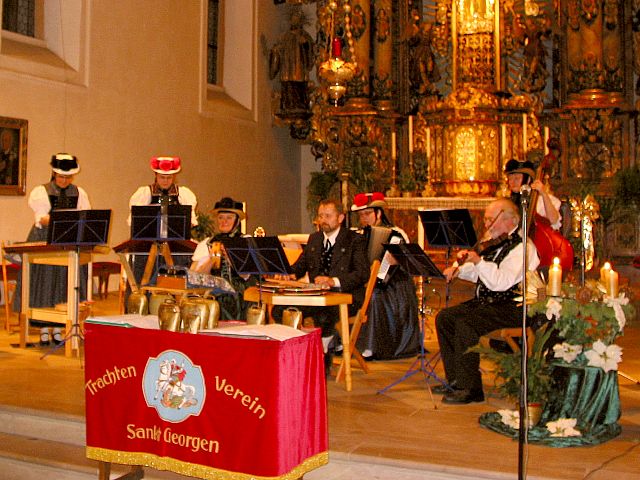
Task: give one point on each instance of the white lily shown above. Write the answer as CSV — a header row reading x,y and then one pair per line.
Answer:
x,y
510,418
566,351
616,303
603,356
554,307
563,427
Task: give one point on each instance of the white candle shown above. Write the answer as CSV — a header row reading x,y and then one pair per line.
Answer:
x,y
393,145
554,287
524,133
546,140
612,284
503,145
604,273
410,133
428,143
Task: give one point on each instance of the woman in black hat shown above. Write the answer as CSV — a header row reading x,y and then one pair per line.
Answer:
x,y
522,173
51,281
208,258
392,329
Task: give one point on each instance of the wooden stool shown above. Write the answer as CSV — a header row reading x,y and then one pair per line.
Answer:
x,y
103,270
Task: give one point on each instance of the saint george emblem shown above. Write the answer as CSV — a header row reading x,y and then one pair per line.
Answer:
x,y
174,386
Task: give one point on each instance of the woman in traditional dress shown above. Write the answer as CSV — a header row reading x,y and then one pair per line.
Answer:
x,y
49,283
392,330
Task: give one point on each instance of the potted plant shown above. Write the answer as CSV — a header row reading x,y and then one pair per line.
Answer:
x,y
508,370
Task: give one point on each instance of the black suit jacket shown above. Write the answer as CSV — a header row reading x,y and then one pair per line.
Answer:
x,y
349,262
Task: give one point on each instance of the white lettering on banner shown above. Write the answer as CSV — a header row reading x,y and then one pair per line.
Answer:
x,y
155,433
251,403
110,377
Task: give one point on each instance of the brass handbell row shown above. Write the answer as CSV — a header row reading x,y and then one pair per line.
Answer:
x,y
193,314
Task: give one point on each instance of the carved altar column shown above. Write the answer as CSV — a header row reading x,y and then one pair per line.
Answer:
x,y
382,55
359,89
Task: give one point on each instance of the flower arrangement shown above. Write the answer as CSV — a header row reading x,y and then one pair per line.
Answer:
x,y
588,322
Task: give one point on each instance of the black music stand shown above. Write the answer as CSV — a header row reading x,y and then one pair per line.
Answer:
x,y
448,229
415,262
257,256
160,225
79,229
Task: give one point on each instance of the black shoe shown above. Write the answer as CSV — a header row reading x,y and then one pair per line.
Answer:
x,y
328,361
463,397
444,389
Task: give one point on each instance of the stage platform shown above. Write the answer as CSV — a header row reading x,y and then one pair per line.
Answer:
x,y
398,435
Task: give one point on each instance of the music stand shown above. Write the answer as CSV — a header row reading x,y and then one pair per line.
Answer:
x,y
449,228
79,229
415,262
159,224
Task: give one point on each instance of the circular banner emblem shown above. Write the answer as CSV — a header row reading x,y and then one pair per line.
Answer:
x,y
174,386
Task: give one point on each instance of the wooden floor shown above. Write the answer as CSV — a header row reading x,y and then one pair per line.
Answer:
x,y
402,427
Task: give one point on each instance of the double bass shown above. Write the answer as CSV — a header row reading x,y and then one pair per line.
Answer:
x,y
549,242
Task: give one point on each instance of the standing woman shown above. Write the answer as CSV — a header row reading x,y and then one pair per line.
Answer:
x,y
51,281
163,190
392,330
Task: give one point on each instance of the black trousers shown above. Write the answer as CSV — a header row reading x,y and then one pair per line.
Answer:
x,y
461,327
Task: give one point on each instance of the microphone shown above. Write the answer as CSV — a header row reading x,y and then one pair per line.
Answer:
x,y
525,192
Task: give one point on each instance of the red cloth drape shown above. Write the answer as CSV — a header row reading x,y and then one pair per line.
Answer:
x,y
254,406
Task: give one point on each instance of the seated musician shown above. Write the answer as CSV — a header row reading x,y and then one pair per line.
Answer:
x,y
335,257
163,190
209,258
392,330
497,271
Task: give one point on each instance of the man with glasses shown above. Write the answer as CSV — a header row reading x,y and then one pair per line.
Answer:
x,y
497,272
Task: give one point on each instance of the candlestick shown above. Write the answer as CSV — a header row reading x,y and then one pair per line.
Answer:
x,y
604,273
546,140
612,283
393,145
524,133
410,133
554,287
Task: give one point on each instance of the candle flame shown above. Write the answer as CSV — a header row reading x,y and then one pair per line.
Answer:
x,y
607,265
556,261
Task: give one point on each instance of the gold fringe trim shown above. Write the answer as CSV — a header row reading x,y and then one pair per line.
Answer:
x,y
195,470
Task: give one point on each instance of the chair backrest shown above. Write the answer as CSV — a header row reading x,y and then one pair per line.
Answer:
x,y
373,276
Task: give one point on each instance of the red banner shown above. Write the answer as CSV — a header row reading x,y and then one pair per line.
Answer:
x,y
205,405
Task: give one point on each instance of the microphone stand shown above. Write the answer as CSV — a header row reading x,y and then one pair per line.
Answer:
x,y
525,192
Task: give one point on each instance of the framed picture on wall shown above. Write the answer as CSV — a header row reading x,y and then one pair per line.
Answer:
x,y
13,156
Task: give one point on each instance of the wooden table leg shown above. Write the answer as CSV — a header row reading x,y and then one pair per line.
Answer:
x,y
346,345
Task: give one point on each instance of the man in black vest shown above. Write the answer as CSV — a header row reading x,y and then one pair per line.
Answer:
x,y
497,272
334,257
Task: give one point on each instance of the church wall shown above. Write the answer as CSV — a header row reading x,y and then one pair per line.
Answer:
x,y
141,98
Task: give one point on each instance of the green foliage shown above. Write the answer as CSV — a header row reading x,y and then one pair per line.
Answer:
x,y
318,189
407,182
508,368
204,228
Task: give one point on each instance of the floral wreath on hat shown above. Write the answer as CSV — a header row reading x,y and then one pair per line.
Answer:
x,y
368,200
165,165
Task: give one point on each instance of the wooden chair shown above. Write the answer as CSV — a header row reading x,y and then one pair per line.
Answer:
x,y
509,334
358,320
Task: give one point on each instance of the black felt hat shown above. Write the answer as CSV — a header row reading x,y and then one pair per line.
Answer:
x,y
228,204
516,166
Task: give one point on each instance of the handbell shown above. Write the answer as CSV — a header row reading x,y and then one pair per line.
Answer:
x,y
169,316
137,303
292,317
256,315
213,314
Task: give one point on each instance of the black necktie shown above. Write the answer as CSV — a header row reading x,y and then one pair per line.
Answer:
x,y
326,257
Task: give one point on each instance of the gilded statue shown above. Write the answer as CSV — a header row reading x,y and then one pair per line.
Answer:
x,y
423,73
